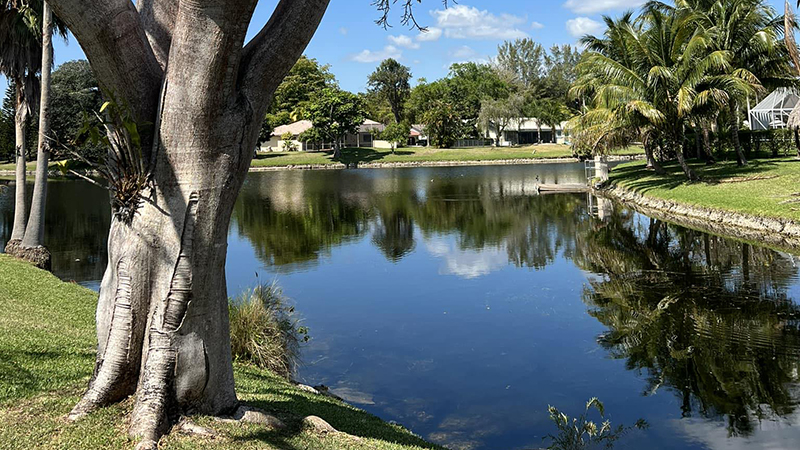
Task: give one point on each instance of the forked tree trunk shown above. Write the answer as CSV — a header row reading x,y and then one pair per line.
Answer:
x,y
162,317
20,202
734,112
32,248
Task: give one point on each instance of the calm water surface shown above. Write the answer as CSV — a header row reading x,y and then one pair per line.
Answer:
x,y
459,304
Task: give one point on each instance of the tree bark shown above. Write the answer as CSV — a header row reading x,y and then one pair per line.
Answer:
x,y
652,163
34,233
681,160
734,111
162,316
20,203
707,144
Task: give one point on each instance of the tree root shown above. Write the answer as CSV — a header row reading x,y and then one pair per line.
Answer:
x,y
247,414
39,256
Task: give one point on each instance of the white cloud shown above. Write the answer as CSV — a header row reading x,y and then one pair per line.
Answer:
x,y
404,41
468,22
467,264
343,31
595,6
463,53
369,56
432,34
581,26
537,25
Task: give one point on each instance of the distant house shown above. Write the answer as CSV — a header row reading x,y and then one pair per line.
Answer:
x,y
417,136
526,132
362,138
773,112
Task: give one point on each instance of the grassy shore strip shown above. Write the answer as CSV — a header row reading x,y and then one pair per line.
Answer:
x,y
47,348
758,202
409,157
370,158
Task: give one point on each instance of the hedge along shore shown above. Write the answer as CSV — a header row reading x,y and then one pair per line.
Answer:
x,y
772,231
393,165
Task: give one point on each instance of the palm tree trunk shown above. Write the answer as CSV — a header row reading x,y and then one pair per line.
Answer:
x,y
707,144
681,160
34,233
20,205
539,132
697,142
651,159
740,159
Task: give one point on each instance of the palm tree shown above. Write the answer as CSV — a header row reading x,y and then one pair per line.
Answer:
x,y
654,73
20,60
749,33
34,232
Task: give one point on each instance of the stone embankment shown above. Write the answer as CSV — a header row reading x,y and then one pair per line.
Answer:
x,y
784,233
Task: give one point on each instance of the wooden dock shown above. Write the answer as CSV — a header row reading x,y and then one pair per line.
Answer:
x,y
545,188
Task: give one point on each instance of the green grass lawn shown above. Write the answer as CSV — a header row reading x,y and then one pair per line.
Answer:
x,y
766,187
47,349
371,155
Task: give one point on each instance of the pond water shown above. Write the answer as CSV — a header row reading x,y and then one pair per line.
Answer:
x,y
460,304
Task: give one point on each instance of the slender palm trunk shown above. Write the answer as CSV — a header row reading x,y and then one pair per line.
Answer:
x,y
697,143
681,160
34,233
707,144
652,163
539,132
20,205
740,159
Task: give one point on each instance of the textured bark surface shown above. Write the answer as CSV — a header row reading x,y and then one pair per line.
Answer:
x,y
734,113
20,204
34,232
181,65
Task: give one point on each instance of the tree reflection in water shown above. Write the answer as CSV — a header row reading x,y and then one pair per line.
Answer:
x,y
704,317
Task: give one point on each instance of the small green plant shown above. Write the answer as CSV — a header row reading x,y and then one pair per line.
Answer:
x,y
124,167
289,145
265,330
581,433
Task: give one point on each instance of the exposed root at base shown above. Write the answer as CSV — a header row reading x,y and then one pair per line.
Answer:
x,y
38,256
247,414
186,426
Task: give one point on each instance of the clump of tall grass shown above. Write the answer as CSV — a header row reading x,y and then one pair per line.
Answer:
x,y
265,329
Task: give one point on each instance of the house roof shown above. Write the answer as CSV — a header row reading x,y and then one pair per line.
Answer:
x,y
296,128
302,126
371,125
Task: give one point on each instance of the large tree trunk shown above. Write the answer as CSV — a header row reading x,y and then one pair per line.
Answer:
x,y
32,243
20,203
734,112
162,317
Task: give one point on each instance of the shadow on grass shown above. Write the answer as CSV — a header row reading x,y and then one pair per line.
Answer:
x,y
639,179
291,406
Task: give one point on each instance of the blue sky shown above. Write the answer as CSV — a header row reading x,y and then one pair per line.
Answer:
x,y
350,41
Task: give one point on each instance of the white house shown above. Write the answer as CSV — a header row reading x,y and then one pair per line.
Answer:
x,y
362,138
773,112
526,132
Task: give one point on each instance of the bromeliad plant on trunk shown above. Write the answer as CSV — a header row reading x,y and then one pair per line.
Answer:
x,y
184,66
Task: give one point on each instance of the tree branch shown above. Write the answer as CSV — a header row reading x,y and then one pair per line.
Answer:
x,y
274,50
111,35
158,21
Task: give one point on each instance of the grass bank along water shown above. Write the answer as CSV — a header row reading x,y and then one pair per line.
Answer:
x,y
759,202
47,350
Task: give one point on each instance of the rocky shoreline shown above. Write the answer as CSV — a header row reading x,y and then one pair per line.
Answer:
x,y
783,233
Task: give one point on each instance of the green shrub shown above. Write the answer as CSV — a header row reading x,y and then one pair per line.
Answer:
x,y
265,330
